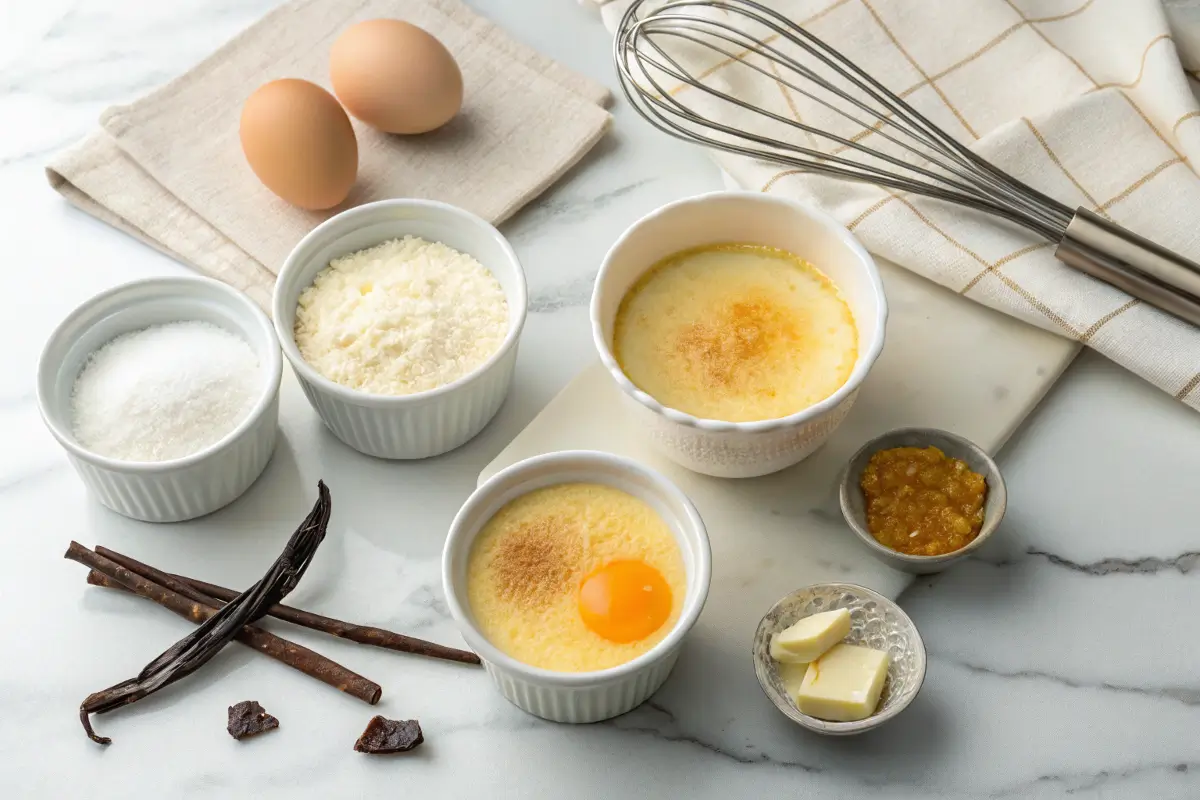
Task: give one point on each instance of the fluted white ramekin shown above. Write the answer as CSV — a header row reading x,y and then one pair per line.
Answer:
x,y
741,449
415,425
578,696
182,488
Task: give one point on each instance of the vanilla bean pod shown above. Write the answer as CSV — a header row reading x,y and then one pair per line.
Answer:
x,y
197,609
216,596
195,649
363,634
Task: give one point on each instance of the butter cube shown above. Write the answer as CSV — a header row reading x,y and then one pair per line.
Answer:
x,y
844,684
791,676
809,638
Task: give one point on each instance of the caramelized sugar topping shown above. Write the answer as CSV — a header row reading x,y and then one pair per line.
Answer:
x,y
723,352
538,563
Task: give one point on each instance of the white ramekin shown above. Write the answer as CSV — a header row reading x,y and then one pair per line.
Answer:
x,y
182,488
741,449
578,696
415,425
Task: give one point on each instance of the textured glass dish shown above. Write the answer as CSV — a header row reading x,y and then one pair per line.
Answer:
x,y
875,622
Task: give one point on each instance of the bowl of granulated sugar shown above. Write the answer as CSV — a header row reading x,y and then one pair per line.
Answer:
x,y
165,395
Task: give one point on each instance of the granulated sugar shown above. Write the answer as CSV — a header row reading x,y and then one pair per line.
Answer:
x,y
164,392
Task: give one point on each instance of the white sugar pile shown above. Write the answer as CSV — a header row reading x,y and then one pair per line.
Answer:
x,y
164,392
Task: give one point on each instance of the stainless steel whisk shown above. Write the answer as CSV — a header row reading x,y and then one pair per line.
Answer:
x,y
650,46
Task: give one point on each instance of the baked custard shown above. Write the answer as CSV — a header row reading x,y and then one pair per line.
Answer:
x,y
735,332
575,577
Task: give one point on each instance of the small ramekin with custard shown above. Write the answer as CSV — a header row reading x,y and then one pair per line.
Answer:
x,y
739,326
575,576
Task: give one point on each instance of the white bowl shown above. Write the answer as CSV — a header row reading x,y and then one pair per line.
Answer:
x,y
742,449
578,696
425,423
182,488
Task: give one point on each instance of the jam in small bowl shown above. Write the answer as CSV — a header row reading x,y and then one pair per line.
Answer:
x,y
922,499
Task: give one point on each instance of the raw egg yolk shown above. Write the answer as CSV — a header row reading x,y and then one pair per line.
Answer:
x,y
624,601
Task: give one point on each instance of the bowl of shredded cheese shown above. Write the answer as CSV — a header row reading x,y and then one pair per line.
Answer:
x,y
401,320
164,393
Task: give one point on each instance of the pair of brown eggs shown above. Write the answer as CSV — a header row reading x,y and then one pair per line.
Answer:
x,y
391,75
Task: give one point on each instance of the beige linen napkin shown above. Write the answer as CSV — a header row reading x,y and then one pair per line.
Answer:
x,y
1084,99
169,168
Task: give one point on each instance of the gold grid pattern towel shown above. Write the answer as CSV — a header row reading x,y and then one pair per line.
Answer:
x,y
169,169
1086,100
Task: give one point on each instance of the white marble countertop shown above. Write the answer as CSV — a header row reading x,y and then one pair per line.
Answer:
x,y
1062,661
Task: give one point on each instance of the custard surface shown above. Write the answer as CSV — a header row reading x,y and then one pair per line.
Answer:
x,y
526,565
735,332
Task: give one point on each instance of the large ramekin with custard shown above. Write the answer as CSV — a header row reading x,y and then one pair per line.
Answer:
x,y
739,327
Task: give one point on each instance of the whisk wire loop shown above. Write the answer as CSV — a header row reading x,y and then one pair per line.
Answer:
x,y
656,53
655,78
961,186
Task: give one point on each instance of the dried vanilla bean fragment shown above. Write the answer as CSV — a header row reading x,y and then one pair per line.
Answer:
x,y
248,718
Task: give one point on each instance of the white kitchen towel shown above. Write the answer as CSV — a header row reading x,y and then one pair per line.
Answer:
x,y
1086,100
168,168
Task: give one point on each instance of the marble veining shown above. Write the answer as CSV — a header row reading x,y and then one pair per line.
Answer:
x,y
1187,695
572,209
656,720
575,293
1074,784
1184,563
1061,660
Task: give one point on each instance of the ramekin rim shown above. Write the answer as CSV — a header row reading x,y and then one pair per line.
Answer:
x,y
271,355
862,367
688,615
355,397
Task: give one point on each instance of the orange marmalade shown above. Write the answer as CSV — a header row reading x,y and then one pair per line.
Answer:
x,y
921,502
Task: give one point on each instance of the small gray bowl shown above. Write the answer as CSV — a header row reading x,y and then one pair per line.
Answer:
x,y
854,506
875,622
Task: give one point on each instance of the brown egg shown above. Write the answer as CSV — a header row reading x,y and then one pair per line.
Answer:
x,y
395,76
299,143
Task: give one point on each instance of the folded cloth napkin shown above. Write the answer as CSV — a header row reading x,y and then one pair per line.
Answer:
x,y
169,168
1086,100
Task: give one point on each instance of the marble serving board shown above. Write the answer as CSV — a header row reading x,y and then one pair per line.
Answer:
x,y
948,363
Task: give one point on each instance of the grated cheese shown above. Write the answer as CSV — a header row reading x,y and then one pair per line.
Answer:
x,y
404,316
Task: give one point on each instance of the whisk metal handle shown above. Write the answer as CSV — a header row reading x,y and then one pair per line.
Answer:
x,y
1133,264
